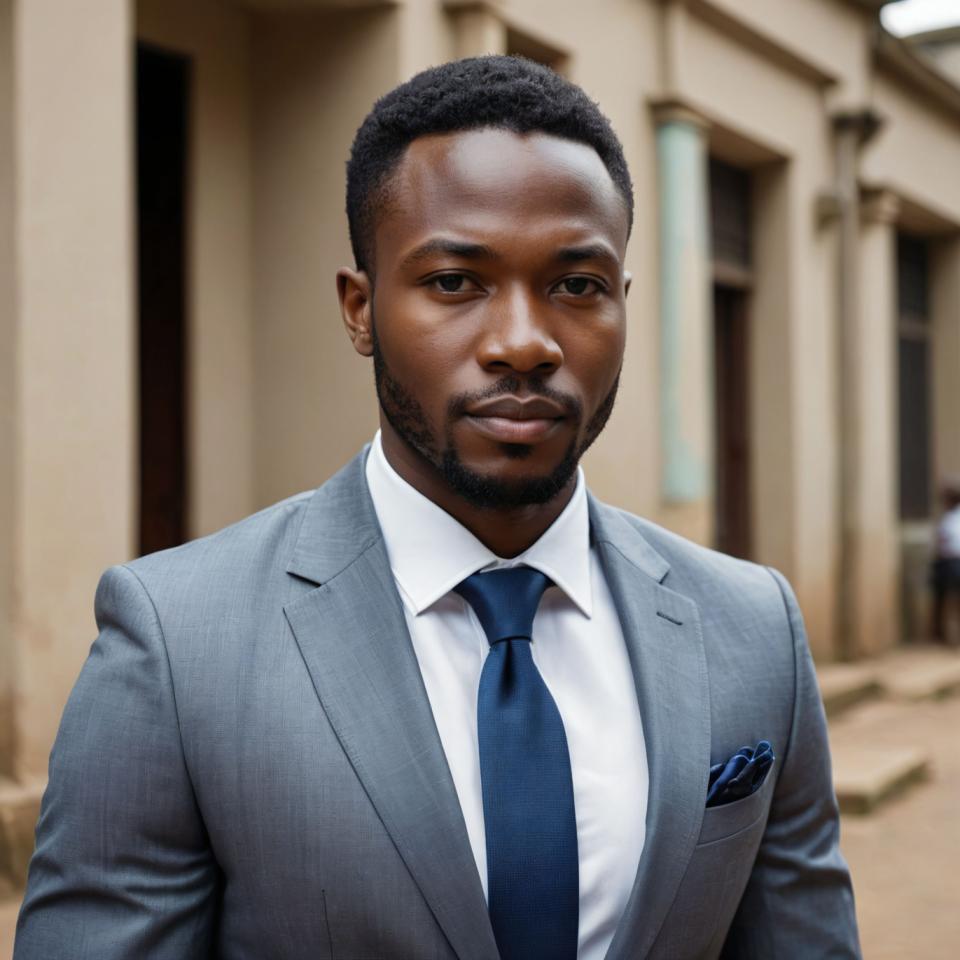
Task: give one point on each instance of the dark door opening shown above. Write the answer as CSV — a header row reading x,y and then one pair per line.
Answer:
x,y
162,118
731,244
731,384
914,378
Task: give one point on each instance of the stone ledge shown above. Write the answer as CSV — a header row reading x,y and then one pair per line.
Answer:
x,y
844,685
19,809
865,777
923,678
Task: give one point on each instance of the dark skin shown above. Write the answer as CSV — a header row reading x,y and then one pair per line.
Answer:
x,y
498,320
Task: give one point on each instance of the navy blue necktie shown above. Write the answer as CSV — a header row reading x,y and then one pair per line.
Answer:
x,y
533,890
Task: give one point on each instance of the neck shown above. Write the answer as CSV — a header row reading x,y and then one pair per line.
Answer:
x,y
506,532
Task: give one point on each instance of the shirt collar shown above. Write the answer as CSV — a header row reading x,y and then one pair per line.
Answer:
x,y
430,552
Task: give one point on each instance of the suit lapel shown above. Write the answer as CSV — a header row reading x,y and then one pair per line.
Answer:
x,y
354,640
662,632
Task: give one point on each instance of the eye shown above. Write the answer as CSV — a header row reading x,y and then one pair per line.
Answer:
x,y
452,283
579,286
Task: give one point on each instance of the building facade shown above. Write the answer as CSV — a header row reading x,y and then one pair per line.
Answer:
x,y
171,354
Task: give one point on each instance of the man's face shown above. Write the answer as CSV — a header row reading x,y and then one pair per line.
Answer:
x,y
497,318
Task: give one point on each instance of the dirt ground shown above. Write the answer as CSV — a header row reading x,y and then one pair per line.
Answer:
x,y
904,858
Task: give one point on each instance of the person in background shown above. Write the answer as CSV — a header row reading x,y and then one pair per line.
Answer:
x,y
945,576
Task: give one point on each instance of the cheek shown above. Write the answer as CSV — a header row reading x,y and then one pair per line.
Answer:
x,y
423,350
594,356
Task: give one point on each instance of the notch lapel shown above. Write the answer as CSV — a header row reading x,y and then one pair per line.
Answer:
x,y
662,632
354,640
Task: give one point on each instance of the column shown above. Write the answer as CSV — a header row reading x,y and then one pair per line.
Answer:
x,y
68,475
873,551
478,29
686,378
8,381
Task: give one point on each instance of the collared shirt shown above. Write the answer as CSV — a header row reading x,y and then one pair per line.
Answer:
x,y
948,535
579,649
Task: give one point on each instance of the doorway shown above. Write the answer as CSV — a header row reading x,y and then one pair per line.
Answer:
x,y
162,84
732,418
731,255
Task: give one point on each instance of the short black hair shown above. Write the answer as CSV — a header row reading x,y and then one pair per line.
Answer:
x,y
512,93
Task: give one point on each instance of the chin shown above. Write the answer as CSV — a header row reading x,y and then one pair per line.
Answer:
x,y
514,480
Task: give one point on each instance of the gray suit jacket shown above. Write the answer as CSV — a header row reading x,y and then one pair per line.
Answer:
x,y
248,766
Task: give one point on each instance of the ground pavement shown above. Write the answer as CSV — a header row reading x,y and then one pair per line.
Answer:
x,y
904,853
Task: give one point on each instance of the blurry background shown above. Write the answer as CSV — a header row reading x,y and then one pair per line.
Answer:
x,y
172,359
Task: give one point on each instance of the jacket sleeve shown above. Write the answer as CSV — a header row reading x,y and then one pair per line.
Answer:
x,y
799,900
122,867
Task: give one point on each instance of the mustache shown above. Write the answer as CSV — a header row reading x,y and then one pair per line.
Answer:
x,y
515,386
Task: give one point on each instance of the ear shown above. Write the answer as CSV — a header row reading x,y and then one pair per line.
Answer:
x,y
356,293
627,280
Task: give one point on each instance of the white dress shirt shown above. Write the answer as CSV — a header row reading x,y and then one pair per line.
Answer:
x,y
948,535
578,648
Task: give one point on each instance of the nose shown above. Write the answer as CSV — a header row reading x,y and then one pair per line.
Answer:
x,y
517,338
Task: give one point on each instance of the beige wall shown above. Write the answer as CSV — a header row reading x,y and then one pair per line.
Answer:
x,y
917,153
73,449
820,36
315,76
216,37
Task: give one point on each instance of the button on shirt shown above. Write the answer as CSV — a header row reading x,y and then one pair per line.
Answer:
x,y
578,648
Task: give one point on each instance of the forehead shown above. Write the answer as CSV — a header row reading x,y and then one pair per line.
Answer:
x,y
503,185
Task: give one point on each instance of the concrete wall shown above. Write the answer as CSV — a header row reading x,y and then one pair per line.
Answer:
x,y
315,76
917,152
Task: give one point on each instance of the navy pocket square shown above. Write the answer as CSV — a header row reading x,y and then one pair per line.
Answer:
x,y
739,776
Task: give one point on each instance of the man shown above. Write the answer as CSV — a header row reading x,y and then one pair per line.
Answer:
x,y
449,705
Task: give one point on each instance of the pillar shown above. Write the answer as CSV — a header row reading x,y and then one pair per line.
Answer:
x,y
873,548
478,29
686,378
67,403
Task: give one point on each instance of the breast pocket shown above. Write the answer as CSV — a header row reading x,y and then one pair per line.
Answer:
x,y
729,819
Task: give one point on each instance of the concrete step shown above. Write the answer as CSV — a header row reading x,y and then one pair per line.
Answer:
x,y
845,685
865,777
924,672
19,809
877,754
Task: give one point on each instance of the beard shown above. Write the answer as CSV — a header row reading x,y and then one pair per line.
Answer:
x,y
410,422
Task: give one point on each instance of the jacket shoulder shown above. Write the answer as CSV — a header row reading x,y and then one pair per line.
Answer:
x,y
226,569
707,575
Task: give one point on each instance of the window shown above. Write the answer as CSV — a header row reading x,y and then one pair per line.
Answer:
x,y
913,342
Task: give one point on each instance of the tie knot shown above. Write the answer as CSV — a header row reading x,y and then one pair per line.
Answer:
x,y
505,601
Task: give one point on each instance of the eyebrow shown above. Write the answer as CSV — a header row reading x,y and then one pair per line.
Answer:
x,y
465,250
589,251
453,248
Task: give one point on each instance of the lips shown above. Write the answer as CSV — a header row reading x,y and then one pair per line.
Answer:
x,y
512,420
